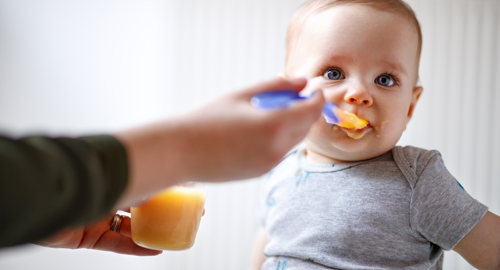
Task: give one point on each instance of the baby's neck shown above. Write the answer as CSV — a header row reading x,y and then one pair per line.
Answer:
x,y
321,159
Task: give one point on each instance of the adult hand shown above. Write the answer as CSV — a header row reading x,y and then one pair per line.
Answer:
x,y
227,139
98,236
230,139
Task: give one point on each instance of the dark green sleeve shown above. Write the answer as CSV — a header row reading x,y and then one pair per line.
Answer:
x,y
47,184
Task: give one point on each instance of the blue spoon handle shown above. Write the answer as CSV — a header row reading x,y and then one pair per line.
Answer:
x,y
282,99
276,99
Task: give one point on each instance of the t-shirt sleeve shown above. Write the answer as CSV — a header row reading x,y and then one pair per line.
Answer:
x,y
47,184
441,210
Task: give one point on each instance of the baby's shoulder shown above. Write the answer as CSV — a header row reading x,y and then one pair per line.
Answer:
x,y
414,160
414,154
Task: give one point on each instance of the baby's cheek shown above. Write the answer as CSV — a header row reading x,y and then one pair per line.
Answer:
x,y
316,129
383,124
316,132
389,132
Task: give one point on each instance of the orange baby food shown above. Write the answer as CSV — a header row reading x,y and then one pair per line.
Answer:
x,y
170,220
350,120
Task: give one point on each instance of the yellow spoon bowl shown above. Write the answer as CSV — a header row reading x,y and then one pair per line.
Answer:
x,y
350,120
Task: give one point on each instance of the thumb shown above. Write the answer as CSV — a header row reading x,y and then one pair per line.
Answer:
x,y
296,84
309,110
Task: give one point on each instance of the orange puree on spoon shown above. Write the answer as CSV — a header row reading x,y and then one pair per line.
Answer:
x,y
350,120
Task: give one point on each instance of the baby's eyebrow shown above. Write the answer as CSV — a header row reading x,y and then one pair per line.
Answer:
x,y
340,58
349,59
396,66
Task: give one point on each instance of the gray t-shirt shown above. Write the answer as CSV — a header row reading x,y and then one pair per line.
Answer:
x,y
397,211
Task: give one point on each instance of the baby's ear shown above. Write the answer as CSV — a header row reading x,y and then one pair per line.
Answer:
x,y
282,76
415,96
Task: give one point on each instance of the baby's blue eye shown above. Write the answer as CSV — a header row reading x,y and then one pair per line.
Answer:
x,y
385,80
333,74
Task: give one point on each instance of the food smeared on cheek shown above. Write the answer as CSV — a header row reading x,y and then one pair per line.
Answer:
x,y
382,125
379,128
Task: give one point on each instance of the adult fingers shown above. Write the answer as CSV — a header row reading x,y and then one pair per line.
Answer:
x,y
297,120
296,84
114,242
125,228
308,111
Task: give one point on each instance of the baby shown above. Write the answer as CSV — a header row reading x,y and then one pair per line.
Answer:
x,y
349,198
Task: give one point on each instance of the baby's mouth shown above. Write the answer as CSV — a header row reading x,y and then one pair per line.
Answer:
x,y
352,125
357,133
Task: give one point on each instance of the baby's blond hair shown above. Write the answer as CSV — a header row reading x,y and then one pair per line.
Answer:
x,y
313,6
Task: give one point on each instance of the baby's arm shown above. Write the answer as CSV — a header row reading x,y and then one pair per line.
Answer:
x,y
258,257
481,246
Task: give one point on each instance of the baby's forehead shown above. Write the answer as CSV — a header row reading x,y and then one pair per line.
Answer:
x,y
352,14
349,18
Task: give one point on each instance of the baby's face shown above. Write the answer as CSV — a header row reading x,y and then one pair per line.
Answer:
x,y
365,61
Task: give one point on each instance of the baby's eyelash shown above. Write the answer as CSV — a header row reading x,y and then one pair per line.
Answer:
x,y
324,70
396,79
390,73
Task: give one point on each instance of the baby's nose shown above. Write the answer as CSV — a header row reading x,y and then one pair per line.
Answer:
x,y
358,95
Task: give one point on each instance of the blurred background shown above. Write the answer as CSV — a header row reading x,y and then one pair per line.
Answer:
x,y
72,68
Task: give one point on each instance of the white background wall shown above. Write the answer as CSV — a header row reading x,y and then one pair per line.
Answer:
x,y
98,66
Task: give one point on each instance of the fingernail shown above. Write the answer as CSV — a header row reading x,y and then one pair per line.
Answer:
x,y
298,81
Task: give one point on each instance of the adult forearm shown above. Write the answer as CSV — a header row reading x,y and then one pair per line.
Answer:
x,y
155,157
227,139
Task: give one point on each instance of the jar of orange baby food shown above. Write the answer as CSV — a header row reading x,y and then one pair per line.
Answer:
x,y
170,219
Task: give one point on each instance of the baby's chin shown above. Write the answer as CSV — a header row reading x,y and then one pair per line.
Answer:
x,y
338,152
335,143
